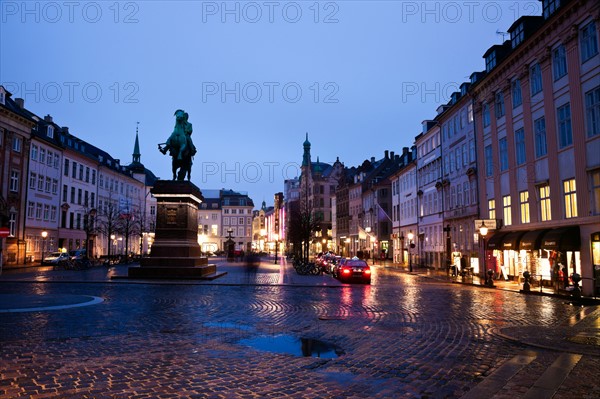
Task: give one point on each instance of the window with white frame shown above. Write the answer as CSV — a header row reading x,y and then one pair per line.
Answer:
x,y
520,154
38,211
517,35
517,96
565,134
592,111
588,41
503,154
545,206
34,152
42,155
524,204
50,131
499,105
17,143
486,115
559,62
12,224
535,78
32,180
507,210
570,198
14,181
489,161
539,129
30,209
492,209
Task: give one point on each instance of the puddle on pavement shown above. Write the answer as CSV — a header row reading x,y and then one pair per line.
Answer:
x,y
289,344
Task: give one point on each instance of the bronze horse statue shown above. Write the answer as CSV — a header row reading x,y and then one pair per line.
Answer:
x,y
180,146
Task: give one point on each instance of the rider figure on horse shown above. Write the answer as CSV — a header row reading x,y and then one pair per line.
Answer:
x,y
180,146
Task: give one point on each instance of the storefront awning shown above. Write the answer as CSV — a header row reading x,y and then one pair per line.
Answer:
x,y
495,242
531,240
511,240
563,239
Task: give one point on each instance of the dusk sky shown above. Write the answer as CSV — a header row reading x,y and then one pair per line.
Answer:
x,y
255,77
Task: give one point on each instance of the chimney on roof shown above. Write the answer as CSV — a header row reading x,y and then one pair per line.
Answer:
x,y
65,129
20,102
391,154
48,118
372,159
387,154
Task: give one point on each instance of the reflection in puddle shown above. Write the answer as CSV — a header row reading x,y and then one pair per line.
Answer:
x,y
293,345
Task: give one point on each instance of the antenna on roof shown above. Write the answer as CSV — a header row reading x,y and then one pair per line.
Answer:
x,y
501,33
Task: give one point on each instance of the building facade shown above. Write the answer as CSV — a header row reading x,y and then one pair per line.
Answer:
x,y
537,113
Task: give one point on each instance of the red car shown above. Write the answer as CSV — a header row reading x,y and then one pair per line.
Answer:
x,y
353,270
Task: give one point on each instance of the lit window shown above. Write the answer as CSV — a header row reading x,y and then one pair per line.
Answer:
x,y
12,224
507,210
570,198
492,209
524,202
565,134
592,111
545,209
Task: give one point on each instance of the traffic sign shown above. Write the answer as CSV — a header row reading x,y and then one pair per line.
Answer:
x,y
4,231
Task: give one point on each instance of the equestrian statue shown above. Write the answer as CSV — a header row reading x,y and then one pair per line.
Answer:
x,y
180,146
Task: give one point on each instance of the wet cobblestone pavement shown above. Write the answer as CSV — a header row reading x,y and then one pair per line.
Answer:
x,y
404,336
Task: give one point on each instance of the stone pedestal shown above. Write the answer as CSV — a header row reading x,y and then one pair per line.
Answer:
x,y
175,252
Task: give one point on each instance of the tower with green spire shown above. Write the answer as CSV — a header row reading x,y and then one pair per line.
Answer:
x,y
306,156
136,147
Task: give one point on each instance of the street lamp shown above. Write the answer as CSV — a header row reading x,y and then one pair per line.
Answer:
x,y
483,230
401,238
368,231
410,237
276,237
44,235
110,245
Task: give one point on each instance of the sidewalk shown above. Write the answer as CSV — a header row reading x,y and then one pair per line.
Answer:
x,y
475,280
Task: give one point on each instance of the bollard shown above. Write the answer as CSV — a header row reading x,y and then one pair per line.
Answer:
x,y
526,286
489,280
576,290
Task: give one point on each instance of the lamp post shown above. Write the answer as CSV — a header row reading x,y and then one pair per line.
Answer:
x,y
401,238
410,237
483,230
44,235
368,231
229,244
276,237
110,245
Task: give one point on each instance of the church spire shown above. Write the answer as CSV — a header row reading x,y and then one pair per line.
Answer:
x,y
306,156
136,148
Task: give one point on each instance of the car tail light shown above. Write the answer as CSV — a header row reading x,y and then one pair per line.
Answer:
x,y
346,271
367,270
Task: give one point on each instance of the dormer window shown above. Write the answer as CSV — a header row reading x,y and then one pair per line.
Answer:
x,y
517,35
490,61
2,96
549,6
50,131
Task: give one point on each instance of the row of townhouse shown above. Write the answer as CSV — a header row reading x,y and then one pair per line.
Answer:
x,y
225,214
516,150
59,192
